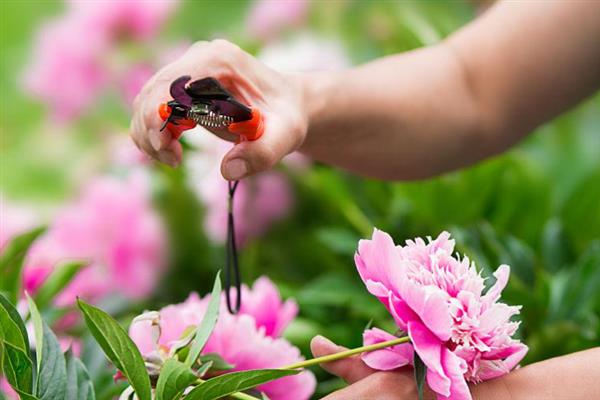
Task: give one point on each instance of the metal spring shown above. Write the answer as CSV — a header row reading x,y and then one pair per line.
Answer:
x,y
210,120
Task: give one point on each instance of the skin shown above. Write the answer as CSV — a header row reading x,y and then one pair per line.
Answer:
x,y
411,116
574,376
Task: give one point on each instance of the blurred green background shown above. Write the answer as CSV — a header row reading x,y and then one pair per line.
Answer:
x,y
536,208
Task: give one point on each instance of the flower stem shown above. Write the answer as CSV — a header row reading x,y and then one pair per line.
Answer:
x,y
347,353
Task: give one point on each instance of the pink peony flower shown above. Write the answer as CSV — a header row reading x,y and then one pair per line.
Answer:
x,y
460,333
260,201
268,18
113,226
72,53
263,303
242,339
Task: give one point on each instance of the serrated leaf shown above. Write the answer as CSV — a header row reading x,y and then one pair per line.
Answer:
x,y
118,348
420,370
12,328
207,325
79,384
218,362
56,282
18,368
11,262
227,384
173,379
52,376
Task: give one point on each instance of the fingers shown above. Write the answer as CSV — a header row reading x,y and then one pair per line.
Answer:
x,y
279,139
379,386
350,369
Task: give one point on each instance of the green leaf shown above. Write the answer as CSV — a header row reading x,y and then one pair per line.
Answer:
x,y
207,325
218,362
52,377
17,367
11,262
12,328
79,384
420,370
26,396
227,384
173,379
204,368
56,282
118,347
38,331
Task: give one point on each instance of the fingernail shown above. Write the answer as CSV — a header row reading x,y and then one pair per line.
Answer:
x,y
168,158
236,169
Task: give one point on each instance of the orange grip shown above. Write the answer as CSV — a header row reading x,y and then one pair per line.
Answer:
x,y
251,129
164,111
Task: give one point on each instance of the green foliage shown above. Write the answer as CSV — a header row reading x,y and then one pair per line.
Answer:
x,y
79,386
60,277
207,325
118,348
11,262
173,379
227,384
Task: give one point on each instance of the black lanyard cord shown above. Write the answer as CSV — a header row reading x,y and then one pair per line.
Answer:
x,y
231,256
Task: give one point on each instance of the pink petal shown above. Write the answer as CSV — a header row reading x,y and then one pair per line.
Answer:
x,y
431,305
455,369
429,348
388,358
493,294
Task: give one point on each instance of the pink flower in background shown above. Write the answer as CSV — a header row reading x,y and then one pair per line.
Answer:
x,y
14,220
72,54
113,227
263,303
460,333
260,201
268,18
134,80
242,340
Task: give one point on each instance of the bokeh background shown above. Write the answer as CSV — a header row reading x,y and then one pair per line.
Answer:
x,y
69,73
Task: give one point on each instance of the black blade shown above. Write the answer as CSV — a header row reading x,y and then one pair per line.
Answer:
x,y
207,88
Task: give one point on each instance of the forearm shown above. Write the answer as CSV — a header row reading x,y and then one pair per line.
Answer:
x,y
436,109
400,117
575,377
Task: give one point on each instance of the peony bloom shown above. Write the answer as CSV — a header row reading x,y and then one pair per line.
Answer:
x,y
268,18
114,228
241,340
134,80
260,201
72,54
460,333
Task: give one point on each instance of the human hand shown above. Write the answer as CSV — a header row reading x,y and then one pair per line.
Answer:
x,y
279,98
366,383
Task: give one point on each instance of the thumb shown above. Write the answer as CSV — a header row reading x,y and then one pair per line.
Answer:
x,y
350,369
250,157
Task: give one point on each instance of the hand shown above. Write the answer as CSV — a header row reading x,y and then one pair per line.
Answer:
x,y
279,98
364,382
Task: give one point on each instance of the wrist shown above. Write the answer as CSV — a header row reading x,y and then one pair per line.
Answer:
x,y
315,91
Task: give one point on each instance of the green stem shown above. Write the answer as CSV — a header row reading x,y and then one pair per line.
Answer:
x,y
347,353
